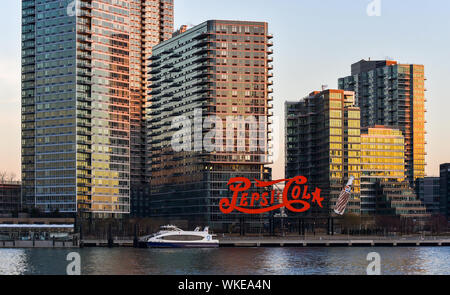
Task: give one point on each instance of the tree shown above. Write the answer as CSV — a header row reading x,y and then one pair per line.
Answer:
x,y
3,175
12,177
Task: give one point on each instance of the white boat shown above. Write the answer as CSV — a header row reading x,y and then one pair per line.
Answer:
x,y
171,236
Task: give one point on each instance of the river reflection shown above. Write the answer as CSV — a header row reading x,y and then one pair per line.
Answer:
x,y
227,261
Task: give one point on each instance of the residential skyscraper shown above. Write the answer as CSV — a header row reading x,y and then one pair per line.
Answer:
x,y
200,78
323,143
84,80
393,95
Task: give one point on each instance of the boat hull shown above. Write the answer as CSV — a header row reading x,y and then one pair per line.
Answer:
x,y
182,245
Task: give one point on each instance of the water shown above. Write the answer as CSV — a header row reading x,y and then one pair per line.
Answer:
x,y
227,261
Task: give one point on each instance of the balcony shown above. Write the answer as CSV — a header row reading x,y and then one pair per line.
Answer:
x,y
85,56
84,64
84,31
154,92
84,47
155,71
154,57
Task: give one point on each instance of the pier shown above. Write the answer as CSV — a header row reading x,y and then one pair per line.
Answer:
x,y
334,242
248,242
39,244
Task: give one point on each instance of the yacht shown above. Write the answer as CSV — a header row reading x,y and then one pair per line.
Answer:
x,y
171,236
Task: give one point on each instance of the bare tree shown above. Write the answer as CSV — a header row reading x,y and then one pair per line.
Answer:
x,y
3,175
12,177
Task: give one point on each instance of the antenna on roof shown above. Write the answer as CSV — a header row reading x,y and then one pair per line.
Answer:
x,y
324,87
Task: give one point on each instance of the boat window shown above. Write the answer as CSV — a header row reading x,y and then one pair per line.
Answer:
x,y
183,238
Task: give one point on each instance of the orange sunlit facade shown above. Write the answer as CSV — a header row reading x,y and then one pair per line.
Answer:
x,y
393,95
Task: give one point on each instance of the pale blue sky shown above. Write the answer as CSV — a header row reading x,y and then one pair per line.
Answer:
x,y
316,41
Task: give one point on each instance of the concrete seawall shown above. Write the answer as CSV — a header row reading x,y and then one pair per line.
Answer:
x,y
38,244
299,242
251,242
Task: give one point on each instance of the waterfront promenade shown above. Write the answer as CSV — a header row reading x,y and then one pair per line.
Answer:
x,y
256,241
334,241
296,241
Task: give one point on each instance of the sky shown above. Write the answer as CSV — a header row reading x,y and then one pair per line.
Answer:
x,y
315,43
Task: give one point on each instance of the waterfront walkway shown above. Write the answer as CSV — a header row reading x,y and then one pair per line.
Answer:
x,y
333,241
38,244
237,241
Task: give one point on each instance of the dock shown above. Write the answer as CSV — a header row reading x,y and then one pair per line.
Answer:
x,y
330,242
250,242
38,244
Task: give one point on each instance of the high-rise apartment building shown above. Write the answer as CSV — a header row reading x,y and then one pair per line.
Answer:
x,y
212,76
84,80
323,143
393,95
445,190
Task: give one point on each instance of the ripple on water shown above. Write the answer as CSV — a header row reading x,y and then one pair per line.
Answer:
x,y
228,261
13,262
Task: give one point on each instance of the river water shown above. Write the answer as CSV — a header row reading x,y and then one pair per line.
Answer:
x,y
227,261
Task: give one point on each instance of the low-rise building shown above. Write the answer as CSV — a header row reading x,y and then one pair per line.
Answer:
x,y
428,191
445,190
10,199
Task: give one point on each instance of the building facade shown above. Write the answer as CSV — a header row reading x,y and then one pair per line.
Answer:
x,y
207,83
393,95
445,190
10,197
84,82
428,191
396,198
323,143
382,159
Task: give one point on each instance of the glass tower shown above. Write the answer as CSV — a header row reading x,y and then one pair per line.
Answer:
x,y
393,95
323,143
83,96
